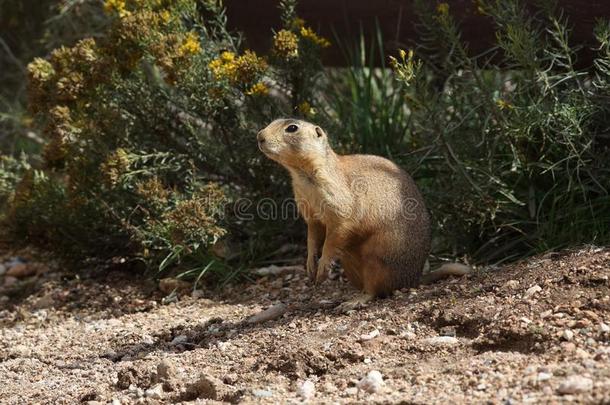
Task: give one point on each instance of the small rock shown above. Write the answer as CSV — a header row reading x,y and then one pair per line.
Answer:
x,y
230,378
21,270
591,315
369,336
155,392
14,261
45,301
165,370
532,290
546,314
603,328
169,285
448,331
269,314
567,335
274,270
262,393
581,353
329,387
351,391
179,340
306,390
205,387
373,382
582,323
542,376
442,341
512,284
10,281
21,351
2,269
574,385
197,294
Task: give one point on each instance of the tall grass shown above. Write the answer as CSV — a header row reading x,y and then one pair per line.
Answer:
x,y
366,100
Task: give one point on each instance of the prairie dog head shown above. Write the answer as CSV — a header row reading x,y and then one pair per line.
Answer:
x,y
293,143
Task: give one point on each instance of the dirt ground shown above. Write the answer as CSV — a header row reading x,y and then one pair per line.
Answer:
x,y
532,332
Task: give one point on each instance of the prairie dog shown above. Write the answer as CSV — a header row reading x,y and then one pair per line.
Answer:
x,y
361,210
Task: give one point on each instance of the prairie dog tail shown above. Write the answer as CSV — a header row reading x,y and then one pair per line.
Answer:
x,y
446,270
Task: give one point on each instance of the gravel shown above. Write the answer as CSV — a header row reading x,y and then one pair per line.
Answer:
x,y
475,340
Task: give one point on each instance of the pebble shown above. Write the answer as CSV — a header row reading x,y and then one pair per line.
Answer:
x,y
274,270
603,328
136,391
155,392
168,285
262,393
10,281
567,335
205,387
14,261
21,270
307,389
373,382
533,290
544,376
574,385
268,314
166,370
45,301
197,294
2,269
442,341
178,340
369,336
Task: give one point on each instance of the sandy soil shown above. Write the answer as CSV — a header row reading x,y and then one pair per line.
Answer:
x,y
531,332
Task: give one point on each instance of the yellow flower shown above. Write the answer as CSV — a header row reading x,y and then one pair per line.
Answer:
x,y
248,67
227,56
191,45
503,104
116,165
306,109
244,69
298,23
407,68
286,44
116,6
442,8
40,70
309,34
165,16
259,89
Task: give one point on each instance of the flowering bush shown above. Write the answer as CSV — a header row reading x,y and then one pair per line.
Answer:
x,y
150,132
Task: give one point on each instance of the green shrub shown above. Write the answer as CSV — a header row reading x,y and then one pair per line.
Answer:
x,y
31,28
150,132
514,153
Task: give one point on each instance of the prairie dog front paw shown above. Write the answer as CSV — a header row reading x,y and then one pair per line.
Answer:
x,y
312,265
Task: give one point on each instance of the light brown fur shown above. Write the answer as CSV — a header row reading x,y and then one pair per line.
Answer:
x,y
361,210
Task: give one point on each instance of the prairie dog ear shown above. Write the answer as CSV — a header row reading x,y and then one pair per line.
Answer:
x,y
320,132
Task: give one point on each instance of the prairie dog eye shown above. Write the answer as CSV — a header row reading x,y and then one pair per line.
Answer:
x,y
292,128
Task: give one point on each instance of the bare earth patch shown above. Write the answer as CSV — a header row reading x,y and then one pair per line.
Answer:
x,y
536,331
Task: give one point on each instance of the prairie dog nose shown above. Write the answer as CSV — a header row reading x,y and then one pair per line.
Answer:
x,y
260,137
